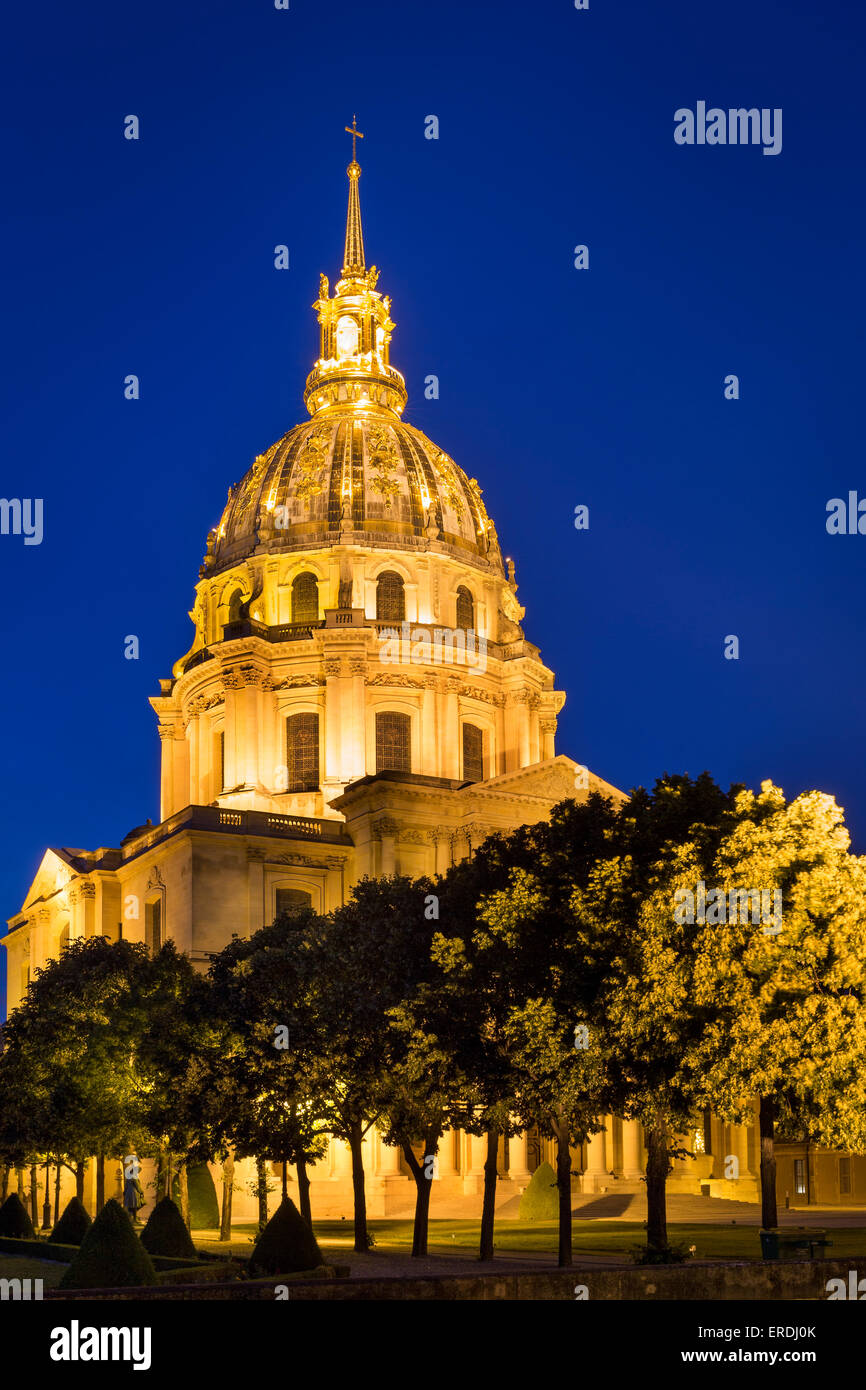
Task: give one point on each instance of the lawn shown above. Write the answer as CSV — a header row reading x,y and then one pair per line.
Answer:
x,y
730,1242
17,1267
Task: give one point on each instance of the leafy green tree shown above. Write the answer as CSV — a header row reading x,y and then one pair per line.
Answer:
x,y
785,991
366,960
70,1052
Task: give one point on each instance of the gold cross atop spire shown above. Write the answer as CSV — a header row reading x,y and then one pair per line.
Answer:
x,y
353,257
356,134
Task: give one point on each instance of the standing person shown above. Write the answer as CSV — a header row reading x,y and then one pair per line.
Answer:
x,y
133,1192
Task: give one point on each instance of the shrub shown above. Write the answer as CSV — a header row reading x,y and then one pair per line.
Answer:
x,y
204,1212
165,1232
111,1256
540,1201
73,1225
14,1220
286,1245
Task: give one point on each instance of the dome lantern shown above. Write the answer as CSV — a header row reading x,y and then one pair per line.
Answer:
x,y
355,327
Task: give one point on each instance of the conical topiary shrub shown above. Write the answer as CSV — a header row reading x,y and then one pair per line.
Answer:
x,y
73,1225
14,1220
165,1232
204,1212
540,1201
111,1256
286,1245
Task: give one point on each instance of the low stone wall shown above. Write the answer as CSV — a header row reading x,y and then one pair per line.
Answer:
x,y
722,1281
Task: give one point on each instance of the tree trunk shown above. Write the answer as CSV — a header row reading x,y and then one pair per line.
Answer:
x,y
4,1184
169,1173
80,1171
304,1192
766,1124
20,1176
34,1196
228,1189
57,1175
356,1137
285,1179
262,1185
488,1207
657,1169
563,1182
423,1174
100,1182
183,1186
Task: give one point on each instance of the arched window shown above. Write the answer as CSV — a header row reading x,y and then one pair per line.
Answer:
x,y
465,609
302,752
235,602
290,901
473,754
393,742
305,599
390,598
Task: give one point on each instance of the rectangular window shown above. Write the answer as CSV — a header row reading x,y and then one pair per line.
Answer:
x,y
800,1177
393,742
302,752
844,1176
473,754
219,758
153,925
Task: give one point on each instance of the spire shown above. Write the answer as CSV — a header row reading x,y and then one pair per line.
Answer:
x,y
353,257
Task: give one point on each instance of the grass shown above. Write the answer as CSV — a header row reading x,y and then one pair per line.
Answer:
x,y
532,1238
17,1267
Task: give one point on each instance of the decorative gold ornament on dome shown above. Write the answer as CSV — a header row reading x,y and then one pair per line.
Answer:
x,y
353,368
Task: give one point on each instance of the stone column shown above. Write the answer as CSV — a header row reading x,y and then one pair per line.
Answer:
x,y
632,1168
333,667
738,1145
180,759
477,1154
429,740
518,1157
231,733
88,898
166,779
386,830
524,753
595,1172
448,1165
534,731
609,1145
355,757
193,739
449,734
387,1160
547,729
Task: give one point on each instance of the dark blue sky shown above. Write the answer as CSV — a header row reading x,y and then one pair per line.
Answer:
x,y
558,387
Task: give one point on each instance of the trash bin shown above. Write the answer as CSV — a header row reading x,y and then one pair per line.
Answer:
x,y
770,1245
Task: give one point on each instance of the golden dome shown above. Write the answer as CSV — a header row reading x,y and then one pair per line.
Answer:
x,y
355,473
359,477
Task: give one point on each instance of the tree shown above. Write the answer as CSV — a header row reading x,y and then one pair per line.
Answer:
x,y
786,986
366,960
69,1053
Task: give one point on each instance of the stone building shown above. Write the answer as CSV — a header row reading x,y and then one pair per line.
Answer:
x,y
359,697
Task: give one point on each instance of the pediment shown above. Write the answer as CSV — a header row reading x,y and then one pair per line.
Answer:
x,y
555,779
53,874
